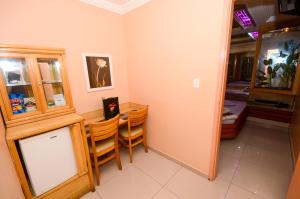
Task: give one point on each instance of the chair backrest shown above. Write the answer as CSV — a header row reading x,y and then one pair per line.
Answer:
x,y
104,129
137,117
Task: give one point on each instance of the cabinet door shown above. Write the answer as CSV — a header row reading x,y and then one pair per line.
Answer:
x,y
18,88
53,84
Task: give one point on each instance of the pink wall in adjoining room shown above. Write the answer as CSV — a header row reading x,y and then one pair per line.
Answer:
x,y
78,28
169,43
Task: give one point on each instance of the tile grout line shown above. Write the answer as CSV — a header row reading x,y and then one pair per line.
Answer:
x,y
111,178
247,144
261,197
162,185
156,193
241,187
165,186
99,195
180,168
115,177
154,178
237,168
226,193
147,175
141,170
108,180
123,167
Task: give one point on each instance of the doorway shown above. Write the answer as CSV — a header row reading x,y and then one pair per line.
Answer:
x,y
268,113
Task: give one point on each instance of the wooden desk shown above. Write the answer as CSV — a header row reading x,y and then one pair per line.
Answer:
x,y
97,115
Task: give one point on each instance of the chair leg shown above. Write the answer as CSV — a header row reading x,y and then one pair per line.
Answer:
x,y
118,158
145,143
130,150
97,173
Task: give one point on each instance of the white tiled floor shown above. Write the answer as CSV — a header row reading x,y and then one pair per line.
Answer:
x,y
255,165
258,162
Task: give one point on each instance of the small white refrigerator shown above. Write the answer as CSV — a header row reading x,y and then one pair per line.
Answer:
x,y
49,159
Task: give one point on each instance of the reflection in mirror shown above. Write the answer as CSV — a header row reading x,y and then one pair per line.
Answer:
x,y
278,59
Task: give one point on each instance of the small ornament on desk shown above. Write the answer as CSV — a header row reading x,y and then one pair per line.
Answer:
x,y
111,107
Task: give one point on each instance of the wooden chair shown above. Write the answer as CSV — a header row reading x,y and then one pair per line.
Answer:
x,y
104,142
136,131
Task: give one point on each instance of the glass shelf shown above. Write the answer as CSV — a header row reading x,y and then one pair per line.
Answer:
x,y
19,89
52,82
23,84
50,70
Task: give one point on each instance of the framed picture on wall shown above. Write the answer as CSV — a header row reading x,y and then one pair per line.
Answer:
x,y
98,71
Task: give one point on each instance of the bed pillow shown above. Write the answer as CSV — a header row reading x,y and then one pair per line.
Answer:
x,y
229,103
226,110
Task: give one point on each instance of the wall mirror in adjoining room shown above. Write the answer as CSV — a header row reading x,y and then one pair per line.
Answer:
x,y
277,59
240,66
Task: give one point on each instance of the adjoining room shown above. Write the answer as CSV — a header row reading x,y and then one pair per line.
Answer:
x,y
257,137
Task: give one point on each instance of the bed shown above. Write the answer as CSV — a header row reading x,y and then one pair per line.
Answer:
x,y
234,116
237,90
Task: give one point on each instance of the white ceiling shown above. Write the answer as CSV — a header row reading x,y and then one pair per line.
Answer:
x,y
117,6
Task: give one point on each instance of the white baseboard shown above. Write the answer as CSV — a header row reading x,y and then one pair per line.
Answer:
x,y
180,163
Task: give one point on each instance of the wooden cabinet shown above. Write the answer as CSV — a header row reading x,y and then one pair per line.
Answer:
x,y
76,185
33,84
35,99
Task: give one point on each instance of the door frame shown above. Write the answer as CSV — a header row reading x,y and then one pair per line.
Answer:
x,y
220,95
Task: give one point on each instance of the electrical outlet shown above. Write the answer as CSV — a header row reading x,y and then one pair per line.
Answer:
x,y
196,83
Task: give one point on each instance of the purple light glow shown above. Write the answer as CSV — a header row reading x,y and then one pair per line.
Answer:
x,y
254,35
243,18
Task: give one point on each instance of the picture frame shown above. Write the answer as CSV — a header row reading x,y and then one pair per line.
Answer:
x,y
98,71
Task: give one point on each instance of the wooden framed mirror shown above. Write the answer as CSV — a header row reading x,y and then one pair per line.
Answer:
x,y
277,58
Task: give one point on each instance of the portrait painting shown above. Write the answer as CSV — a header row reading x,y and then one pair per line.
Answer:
x,y
98,71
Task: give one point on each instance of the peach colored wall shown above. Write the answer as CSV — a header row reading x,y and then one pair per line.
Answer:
x,y
169,43
78,28
10,187
166,44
